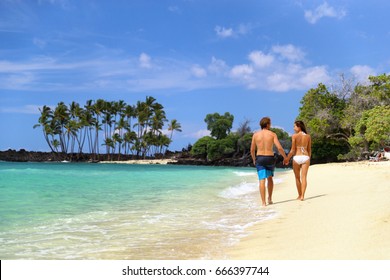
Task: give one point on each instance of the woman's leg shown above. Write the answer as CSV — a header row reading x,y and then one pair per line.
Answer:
x,y
297,173
305,169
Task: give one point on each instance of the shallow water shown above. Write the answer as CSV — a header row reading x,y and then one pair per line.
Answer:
x,y
119,211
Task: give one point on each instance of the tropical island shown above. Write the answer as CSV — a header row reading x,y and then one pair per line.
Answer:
x,y
347,122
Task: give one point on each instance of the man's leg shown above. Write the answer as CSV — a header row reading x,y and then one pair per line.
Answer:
x,y
270,189
262,191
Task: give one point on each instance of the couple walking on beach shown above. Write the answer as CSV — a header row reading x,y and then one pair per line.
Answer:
x,y
264,160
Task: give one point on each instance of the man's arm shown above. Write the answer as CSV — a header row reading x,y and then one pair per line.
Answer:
x,y
280,148
253,149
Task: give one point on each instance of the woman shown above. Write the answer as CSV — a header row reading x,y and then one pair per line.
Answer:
x,y
301,153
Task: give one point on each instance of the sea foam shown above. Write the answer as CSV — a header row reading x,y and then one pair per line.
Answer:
x,y
243,189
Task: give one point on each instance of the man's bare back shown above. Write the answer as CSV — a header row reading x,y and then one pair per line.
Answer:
x,y
264,141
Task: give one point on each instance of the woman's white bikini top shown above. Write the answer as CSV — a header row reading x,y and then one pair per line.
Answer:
x,y
303,150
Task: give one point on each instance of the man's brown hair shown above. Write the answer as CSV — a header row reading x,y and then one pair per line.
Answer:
x,y
264,122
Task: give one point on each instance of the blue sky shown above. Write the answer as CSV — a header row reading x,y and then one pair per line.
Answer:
x,y
252,58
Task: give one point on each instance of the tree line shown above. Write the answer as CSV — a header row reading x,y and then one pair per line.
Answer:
x,y
224,143
121,128
348,121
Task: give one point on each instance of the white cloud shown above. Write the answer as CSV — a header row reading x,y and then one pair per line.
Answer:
x,y
217,66
17,80
243,70
39,43
174,9
313,75
271,71
26,109
198,71
261,60
289,52
279,82
282,68
296,77
323,10
243,29
145,61
223,32
198,134
362,72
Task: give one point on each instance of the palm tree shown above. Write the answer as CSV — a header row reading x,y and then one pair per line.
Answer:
x,y
74,125
109,143
116,138
44,121
97,109
61,119
67,128
55,144
81,128
129,138
129,113
162,141
174,125
143,114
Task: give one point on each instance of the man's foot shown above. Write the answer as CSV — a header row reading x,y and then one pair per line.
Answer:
x,y
270,201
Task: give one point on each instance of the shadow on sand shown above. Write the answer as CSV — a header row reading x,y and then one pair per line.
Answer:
x,y
312,197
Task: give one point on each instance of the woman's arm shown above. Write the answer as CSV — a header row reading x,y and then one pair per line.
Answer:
x,y
293,148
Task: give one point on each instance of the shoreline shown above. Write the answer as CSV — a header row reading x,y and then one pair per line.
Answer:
x,y
142,161
345,216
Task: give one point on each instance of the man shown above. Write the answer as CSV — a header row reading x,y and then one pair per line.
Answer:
x,y
263,156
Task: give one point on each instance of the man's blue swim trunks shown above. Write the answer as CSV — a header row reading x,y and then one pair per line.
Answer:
x,y
265,166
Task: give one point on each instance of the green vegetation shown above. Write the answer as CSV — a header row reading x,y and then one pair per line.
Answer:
x,y
226,144
373,128
122,127
350,121
347,122
219,125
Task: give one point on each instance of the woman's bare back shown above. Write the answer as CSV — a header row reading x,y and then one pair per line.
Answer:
x,y
302,144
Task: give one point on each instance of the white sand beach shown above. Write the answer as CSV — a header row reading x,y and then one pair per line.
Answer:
x,y
142,161
346,215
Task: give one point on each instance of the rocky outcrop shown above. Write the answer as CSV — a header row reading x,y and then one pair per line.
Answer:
x,y
182,158
25,156
232,161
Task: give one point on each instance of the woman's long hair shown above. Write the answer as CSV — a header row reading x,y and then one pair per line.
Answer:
x,y
301,125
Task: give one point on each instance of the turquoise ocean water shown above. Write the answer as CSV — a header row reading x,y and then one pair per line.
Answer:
x,y
120,211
